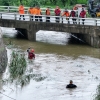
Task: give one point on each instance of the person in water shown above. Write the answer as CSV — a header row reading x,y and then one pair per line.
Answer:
x,y
71,85
31,54
28,50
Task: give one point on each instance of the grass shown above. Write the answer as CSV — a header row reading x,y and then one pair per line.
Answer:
x,y
19,72
17,65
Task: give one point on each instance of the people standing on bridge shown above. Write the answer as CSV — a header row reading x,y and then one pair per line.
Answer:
x,y
35,12
30,10
47,14
57,13
21,11
39,13
73,15
67,14
82,15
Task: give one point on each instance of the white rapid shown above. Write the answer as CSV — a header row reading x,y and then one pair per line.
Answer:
x,y
8,32
52,37
84,71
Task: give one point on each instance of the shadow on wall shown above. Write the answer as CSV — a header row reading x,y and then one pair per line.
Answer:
x,y
21,33
77,39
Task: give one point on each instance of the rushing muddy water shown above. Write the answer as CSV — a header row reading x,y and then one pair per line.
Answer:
x,y
59,62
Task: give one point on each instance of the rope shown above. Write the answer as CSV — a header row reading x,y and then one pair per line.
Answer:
x,y
77,38
7,96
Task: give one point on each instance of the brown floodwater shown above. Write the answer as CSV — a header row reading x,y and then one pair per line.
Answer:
x,y
72,50
58,63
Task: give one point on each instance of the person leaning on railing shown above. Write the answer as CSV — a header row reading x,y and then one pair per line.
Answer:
x,y
67,14
73,15
35,11
39,13
57,13
30,10
82,15
47,14
21,11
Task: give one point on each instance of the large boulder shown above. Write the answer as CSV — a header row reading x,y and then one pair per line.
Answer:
x,y
3,55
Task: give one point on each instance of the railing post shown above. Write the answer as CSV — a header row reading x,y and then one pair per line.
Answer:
x,y
45,18
78,20
15,16
29,17
0,15
95,22
62,19
33,18
8,9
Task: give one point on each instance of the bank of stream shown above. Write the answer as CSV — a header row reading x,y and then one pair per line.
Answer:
x,y
58,62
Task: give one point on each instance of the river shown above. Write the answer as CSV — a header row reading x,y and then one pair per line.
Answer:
x,y
59,62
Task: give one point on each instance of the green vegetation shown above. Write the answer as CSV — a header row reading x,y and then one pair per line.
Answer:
x,y
51,3
17,65
98,93
19,71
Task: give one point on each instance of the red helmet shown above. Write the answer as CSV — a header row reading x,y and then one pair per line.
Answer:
x,y
32,50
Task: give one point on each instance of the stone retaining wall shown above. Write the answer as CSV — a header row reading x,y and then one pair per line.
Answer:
x,y
3,55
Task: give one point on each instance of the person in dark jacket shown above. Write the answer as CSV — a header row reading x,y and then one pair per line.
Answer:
x,y
71,85
28,49
57,13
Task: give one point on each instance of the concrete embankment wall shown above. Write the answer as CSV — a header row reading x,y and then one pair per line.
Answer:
x,y
92,40
3,55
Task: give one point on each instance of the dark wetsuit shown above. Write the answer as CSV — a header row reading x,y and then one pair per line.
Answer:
x,y
28,50
71,86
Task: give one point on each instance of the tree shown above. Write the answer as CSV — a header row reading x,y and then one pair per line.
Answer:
x,y
5,2
63,2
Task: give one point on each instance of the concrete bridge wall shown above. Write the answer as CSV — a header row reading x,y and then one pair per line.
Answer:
x,y
91,33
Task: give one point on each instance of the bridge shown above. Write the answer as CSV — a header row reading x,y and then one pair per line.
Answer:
x,y
89,32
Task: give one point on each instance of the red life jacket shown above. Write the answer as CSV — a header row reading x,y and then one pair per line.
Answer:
x,y
57,12
82,14
73,13
31,55
47,12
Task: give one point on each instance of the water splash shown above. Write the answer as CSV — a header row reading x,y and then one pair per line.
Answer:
x,y
8,32
52,37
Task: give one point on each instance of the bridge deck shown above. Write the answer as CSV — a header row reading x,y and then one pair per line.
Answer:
x,y
16,16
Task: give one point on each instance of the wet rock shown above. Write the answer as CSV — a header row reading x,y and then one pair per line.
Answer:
x,y
96,77
89,71
80,66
